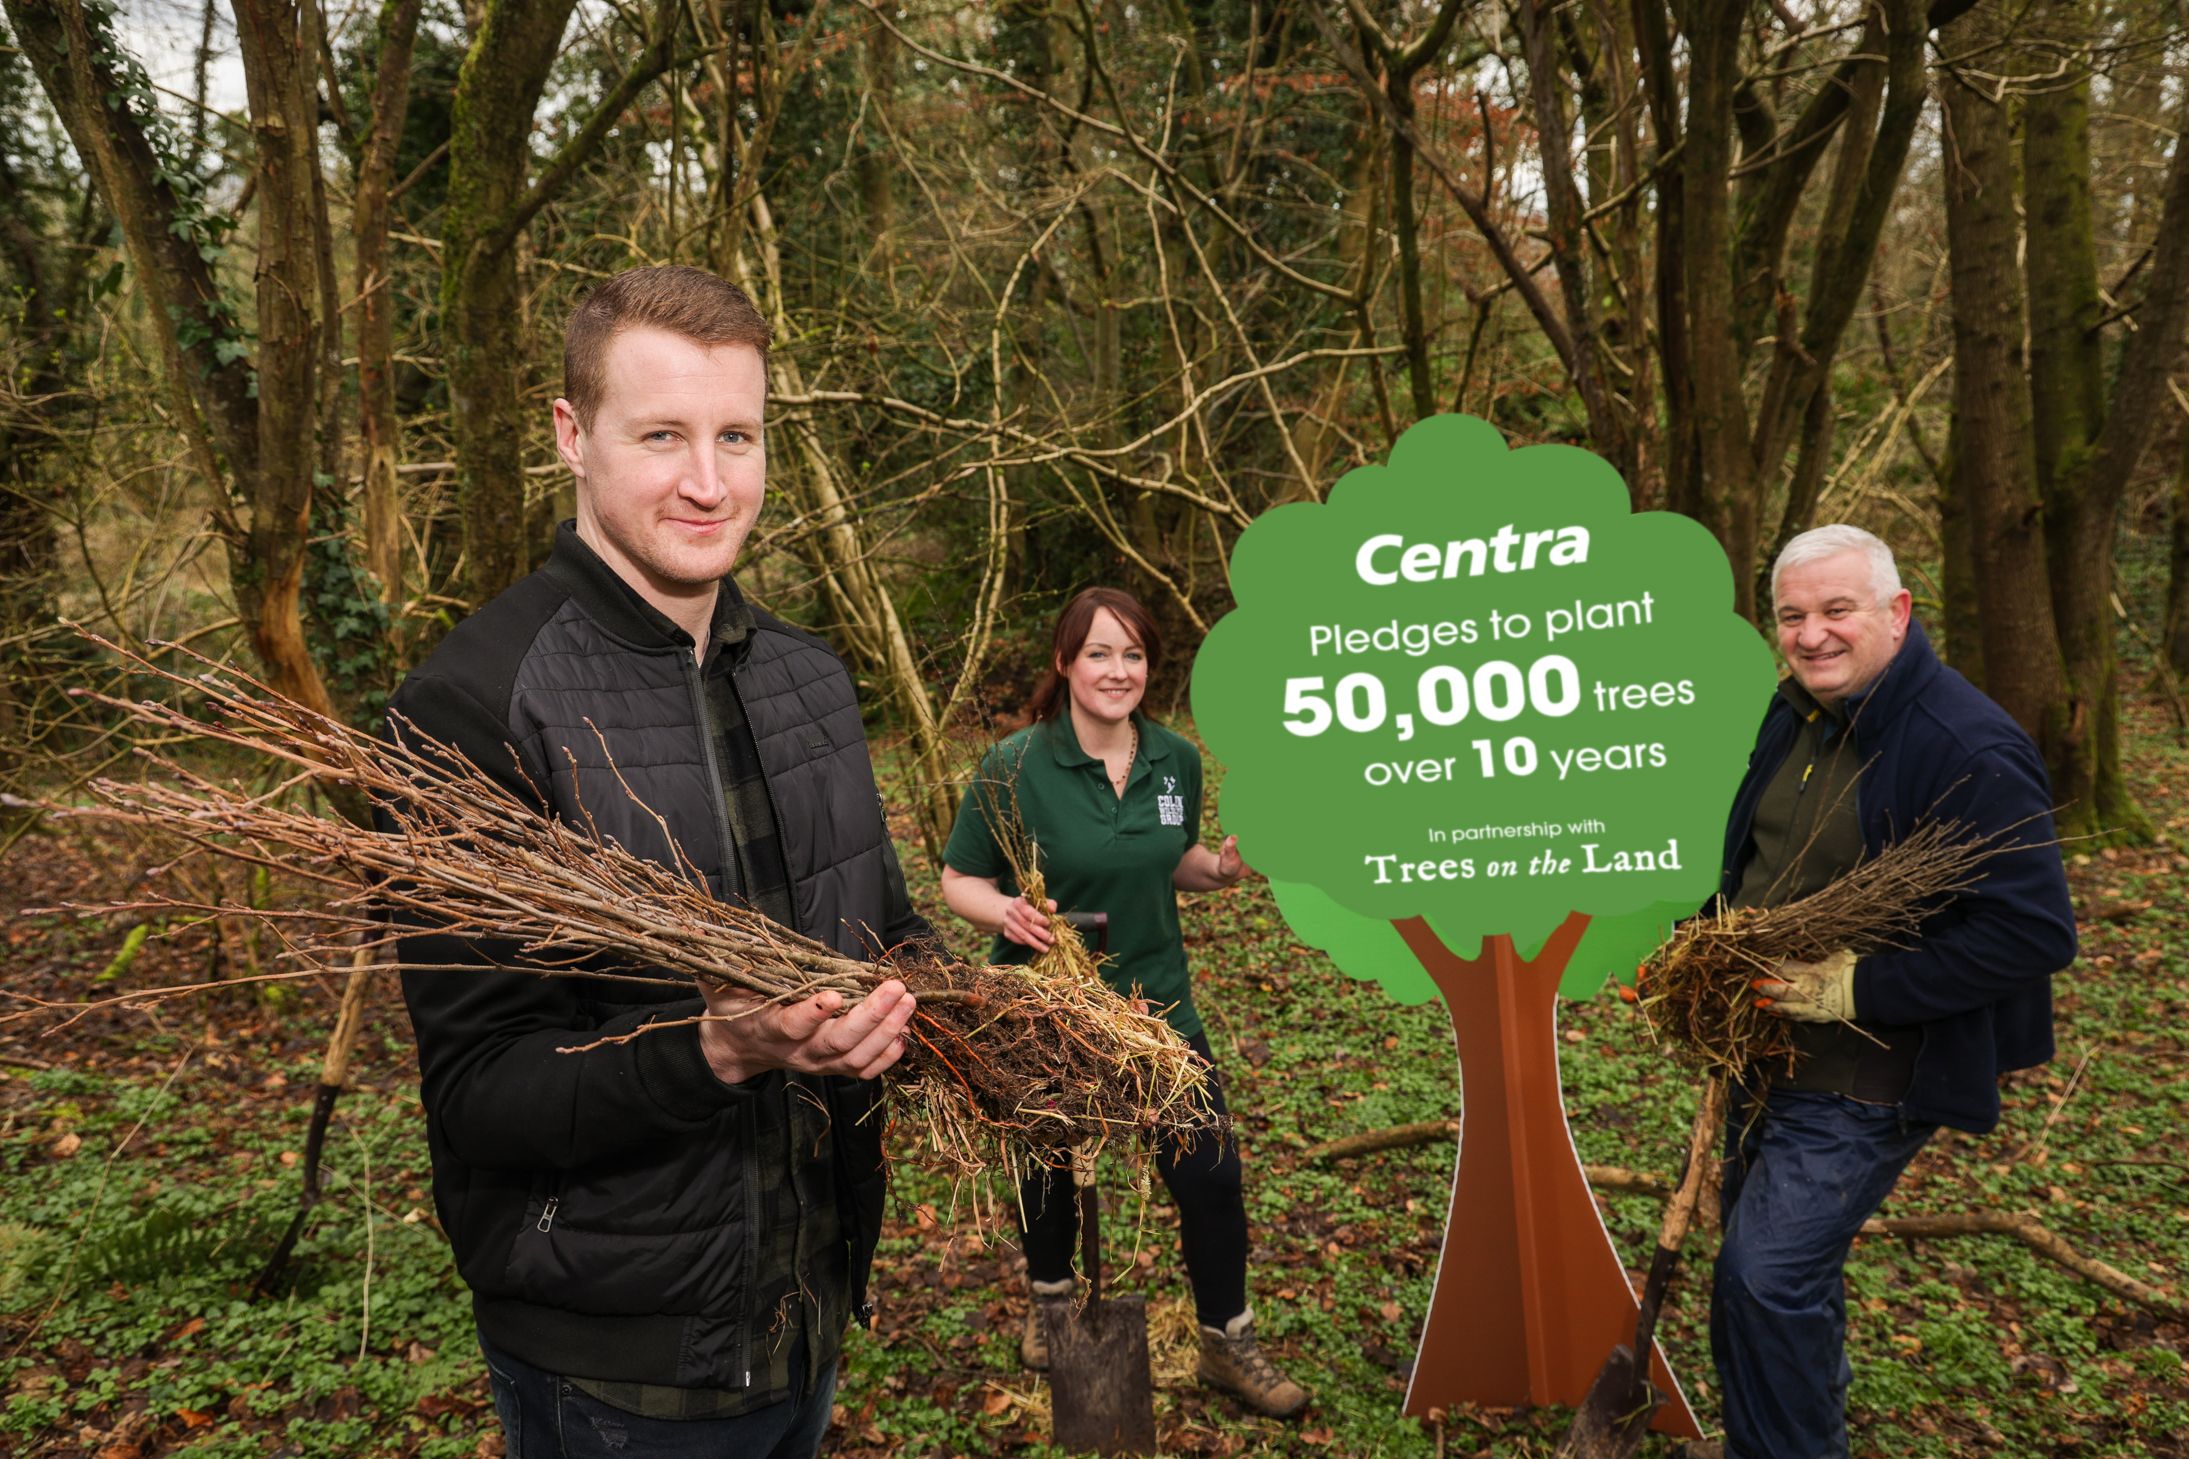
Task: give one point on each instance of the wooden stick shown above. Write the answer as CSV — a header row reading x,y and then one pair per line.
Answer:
x,y
2035,1235
1396,1137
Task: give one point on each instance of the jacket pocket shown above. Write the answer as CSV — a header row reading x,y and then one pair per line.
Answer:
x,y
673,1236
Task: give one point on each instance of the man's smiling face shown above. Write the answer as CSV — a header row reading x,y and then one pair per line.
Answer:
x,y
1836,632
671,468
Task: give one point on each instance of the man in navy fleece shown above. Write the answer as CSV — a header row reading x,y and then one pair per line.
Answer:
x,y
1870,736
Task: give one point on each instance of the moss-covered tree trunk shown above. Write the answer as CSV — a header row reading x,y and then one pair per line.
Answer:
x,y
1959,613
395,38
1994,466
1682,469
1725,499
44,300
482,302
2088,445
2177,588
268,575
248,419
2067,399
492,197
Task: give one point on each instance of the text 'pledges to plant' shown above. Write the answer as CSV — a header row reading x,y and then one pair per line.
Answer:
x,y
1481,724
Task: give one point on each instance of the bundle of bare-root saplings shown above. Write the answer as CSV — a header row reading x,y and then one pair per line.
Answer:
x,y
1698,992
1005,1065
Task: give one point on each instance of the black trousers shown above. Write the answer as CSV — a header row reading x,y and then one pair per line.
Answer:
x,y
1212,1214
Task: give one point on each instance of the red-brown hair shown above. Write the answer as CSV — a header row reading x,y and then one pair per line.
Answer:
x,y
684,301
1072,627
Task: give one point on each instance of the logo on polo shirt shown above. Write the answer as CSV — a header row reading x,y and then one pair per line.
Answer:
x,y
1170,805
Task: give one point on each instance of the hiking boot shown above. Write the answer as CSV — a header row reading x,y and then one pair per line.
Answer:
x,y
1233,1361
1033,1342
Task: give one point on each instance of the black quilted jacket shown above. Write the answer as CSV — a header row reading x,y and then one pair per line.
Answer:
x,y
598,1201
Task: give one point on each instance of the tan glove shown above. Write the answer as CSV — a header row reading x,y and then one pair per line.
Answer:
x,y
1819,992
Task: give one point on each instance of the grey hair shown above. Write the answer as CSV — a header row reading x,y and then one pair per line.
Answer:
x,y
1818,543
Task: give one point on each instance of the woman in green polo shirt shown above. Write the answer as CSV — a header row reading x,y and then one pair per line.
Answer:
x,y
1111,802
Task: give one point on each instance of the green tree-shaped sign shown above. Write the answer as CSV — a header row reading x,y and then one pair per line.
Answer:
x,y
1481,724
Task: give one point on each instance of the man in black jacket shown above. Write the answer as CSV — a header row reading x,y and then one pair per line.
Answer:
x,y
1870,736
664,1236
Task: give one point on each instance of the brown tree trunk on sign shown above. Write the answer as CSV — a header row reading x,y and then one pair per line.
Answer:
x,y
396,37
1994,457
1530,1296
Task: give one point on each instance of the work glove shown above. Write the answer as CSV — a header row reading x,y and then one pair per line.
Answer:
x,y
1818,992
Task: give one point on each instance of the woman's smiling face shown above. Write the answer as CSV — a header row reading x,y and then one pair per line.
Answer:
x,y
1109,674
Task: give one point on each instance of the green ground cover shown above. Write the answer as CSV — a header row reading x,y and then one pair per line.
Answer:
x,y
147,1161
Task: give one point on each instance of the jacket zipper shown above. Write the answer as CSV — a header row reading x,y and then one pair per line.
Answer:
x,y
732,870
547,1214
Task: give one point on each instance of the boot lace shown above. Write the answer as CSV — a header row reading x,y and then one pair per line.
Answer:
x,y
1255,1364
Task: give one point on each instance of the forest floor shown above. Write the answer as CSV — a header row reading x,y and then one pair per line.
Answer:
x,y
149,1160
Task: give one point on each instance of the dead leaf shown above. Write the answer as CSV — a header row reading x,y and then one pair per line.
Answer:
x,y
67,1145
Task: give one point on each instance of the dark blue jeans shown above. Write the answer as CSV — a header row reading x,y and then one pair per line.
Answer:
x,y
1799,1183
544,1416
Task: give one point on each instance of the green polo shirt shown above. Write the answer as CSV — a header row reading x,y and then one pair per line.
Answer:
x,y
1098,851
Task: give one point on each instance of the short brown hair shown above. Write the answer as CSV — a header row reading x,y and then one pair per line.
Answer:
x,y
685,301
1072,627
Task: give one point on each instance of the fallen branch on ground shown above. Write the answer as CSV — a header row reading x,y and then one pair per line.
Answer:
x,y
2020,1225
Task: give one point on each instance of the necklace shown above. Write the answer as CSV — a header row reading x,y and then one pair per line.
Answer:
x,y
1132,754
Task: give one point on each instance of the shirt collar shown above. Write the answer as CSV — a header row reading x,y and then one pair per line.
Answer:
x,y
1809,707
1065,749
617,607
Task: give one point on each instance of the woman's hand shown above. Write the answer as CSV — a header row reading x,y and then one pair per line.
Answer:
x,y
1026,926
981,902
1203,870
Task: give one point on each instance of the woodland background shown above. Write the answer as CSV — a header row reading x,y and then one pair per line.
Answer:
x,y
1066,291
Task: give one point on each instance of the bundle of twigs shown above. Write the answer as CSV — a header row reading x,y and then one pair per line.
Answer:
x,y
1004,1064
1697,990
